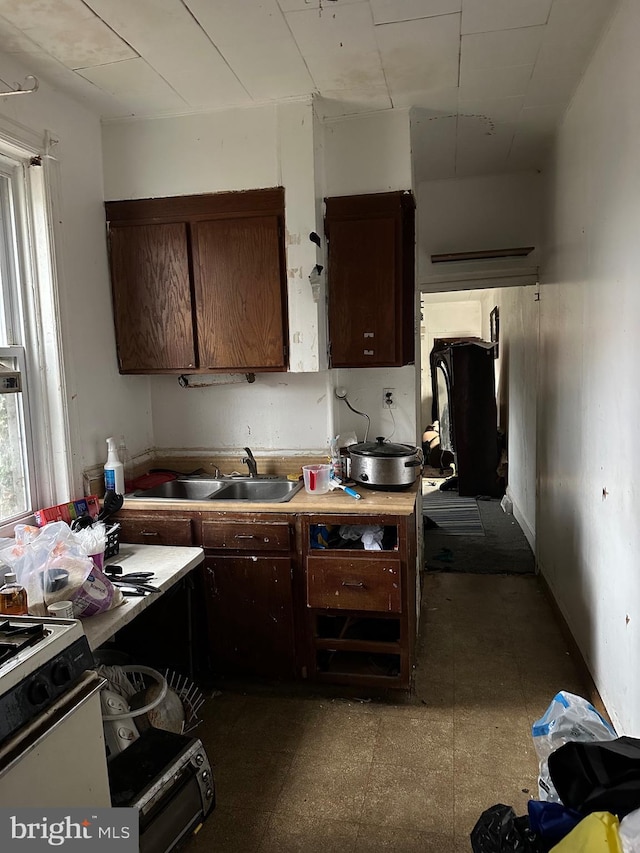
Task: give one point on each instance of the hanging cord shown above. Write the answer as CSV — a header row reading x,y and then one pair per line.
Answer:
x,y
341,394
393,421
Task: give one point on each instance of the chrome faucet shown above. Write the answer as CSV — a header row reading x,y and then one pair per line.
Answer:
x,y
250,462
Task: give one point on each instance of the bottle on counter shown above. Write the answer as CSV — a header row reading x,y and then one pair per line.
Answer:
x,y
113,469
13,597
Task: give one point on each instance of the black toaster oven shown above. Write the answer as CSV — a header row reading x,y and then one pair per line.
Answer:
x,y
167,778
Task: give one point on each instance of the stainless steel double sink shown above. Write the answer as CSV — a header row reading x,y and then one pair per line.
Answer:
x,y
260,489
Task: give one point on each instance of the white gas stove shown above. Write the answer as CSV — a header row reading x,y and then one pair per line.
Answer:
x,y
40,659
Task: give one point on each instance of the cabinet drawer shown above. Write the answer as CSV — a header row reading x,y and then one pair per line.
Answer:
x,y
359,583
246,536
156,531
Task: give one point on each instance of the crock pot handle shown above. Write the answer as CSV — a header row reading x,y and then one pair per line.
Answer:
x,y
418,462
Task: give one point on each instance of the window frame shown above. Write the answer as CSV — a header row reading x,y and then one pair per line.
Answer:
x,y
26,159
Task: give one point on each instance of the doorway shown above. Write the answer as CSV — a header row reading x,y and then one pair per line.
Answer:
x,y
486,535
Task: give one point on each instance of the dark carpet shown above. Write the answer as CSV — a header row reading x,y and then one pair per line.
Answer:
x,y
503,549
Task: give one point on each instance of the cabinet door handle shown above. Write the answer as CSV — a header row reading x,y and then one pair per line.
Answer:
x,y
244,536
353,584
149,533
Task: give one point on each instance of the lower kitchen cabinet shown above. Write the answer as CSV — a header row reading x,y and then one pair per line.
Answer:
x,y
250,614
360,604
286,596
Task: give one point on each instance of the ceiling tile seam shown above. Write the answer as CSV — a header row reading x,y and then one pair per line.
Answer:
x,y
384,73
302,57
119,62
111,29
410,20
503,30
215,47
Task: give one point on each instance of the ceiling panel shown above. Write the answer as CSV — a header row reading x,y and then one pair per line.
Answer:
x,y
551,84
342,102
74,35
433,102
141,90
498,110
495,82
391,11
574,28
502,48
176,47
420,55
255,40
482,16
340,48
325,6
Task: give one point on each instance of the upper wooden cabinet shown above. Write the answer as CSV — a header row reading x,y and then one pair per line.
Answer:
x,y
371,279
199,282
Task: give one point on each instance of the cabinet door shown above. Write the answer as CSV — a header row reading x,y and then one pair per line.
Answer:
x,y
362,310
371,279
250,614
152,297
239,293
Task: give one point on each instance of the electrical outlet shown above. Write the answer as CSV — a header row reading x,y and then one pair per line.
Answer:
x,y
388,398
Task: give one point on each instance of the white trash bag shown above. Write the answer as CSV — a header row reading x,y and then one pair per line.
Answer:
x,y
568,718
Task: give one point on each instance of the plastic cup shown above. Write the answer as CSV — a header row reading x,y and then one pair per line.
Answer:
x,y
316,478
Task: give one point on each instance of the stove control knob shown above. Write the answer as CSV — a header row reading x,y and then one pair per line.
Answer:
x,y
199,759
61,674
38,692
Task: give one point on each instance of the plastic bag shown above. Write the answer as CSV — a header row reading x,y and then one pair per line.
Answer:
x,y
498,830
51,563
601,776
568,718
597,833
630,832
551,821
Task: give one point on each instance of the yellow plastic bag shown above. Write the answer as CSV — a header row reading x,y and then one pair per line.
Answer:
x,y
596,833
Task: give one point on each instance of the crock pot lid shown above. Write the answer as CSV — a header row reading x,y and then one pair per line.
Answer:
x,y
380,447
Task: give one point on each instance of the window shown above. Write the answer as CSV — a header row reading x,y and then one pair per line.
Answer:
x,y
33,444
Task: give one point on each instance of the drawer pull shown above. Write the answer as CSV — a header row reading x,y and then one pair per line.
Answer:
x,y
150,533
353,584
244,536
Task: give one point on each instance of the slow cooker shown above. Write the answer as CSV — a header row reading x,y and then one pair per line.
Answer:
x,y
381,465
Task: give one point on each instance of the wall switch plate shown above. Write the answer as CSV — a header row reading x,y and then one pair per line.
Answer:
x,y
388,398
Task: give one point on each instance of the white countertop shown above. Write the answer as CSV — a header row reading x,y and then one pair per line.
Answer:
x,y
168,563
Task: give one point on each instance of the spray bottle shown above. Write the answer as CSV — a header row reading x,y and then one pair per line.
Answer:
x,y
113,469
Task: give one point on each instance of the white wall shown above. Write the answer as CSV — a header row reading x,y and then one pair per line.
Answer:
x,y
516,392
589,456
470,214
368,153
100,401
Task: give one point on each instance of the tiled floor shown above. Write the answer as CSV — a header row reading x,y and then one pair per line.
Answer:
x,y
319,773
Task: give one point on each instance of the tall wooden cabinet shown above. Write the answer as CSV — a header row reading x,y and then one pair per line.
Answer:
x,y
199,282
371,279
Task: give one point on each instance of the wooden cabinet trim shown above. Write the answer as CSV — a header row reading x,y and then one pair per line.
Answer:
x,y
194,207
